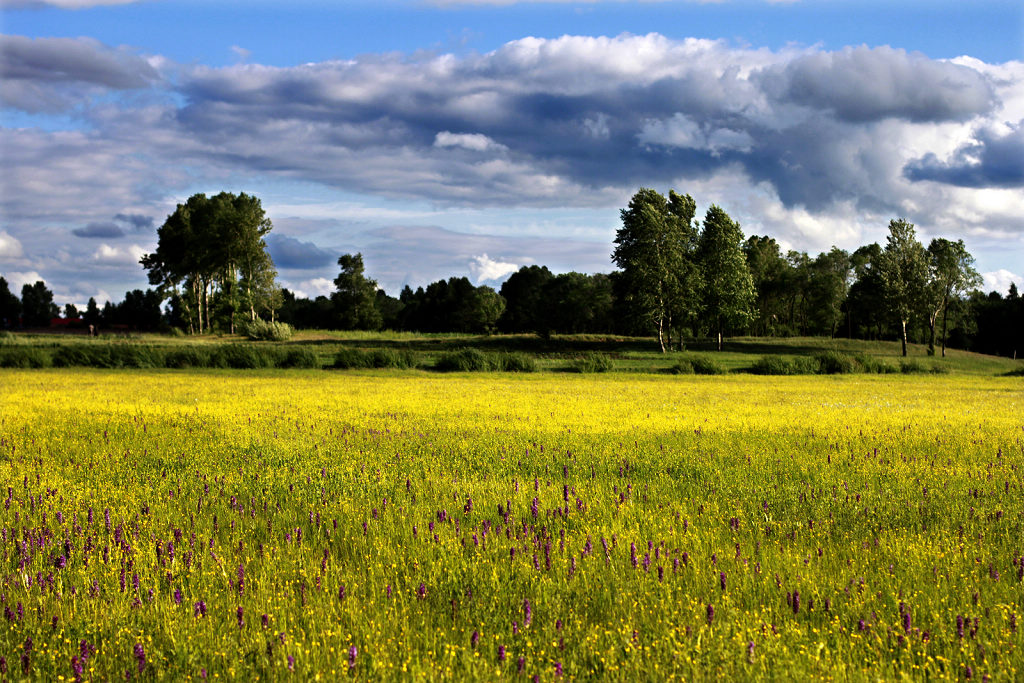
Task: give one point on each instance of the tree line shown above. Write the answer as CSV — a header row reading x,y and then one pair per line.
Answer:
x,y
677,278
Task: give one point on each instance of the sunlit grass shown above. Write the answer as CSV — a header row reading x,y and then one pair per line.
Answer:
x,y
873,498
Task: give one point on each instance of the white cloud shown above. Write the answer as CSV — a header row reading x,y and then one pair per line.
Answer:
x,y
310,289
17,280
999,281
485,268
10,247
118,256
472,141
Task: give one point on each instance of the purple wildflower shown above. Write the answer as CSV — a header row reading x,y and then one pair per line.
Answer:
x,y
241,620
291,663
352,652
140,657
527,613
265,621
711,614
501,653
475,639
796,602
721,580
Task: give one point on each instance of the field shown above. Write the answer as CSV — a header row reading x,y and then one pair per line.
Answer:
x,y
387,524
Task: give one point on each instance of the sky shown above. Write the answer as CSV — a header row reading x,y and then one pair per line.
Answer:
x,y
471,137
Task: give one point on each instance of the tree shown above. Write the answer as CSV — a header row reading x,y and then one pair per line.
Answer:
x,y
355,298
654,248
211,255
865,302
728,287
829,284
70,311
951,275
768,272
37,307
92,313
522,292
903,267
10,306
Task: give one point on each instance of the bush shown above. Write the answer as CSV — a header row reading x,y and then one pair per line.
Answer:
x,y
299,358
773,365
835,363
74,355
874,365
389,358
464,360
593,362
702,365
939,369
347,359
187,357
243,357
261,330
24,357
908,367
683,367
515,362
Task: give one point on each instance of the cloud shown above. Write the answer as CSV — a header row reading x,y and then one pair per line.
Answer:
x,y
485,268
1000,281
118,256
136,221
310,289
17,280
55,74
471,141
10,247
99,230
991,159
289,252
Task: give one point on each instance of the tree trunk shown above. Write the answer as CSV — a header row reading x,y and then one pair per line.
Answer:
x,y
945,310
903,338
661,335
719,338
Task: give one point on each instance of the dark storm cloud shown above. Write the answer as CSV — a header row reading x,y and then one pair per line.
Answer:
x,y
991,160
99,230
289,252
52,74
136,221
862,84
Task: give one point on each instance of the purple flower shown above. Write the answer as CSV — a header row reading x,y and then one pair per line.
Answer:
x,y
558,668
796,602
200,609
421,592
177,596
140,657
711,614
60,562
906,622
352,652
527,613
501,653
721,580
475,639
291,663
241,620
959,627
521,664
265,620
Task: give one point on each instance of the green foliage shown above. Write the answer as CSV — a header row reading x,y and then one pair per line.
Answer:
x,y
464,360
348,358
244,357
903,268
299,358
702,365
728,289
187,357
912,366
514,361
24,357
355,298
836,363
875,365
593,362
782,365
262,330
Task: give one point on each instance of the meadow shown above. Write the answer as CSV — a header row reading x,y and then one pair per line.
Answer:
x,y
401,524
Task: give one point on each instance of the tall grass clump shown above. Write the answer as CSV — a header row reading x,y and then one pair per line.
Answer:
x,y
593,362
24,357
514,361
464,360
187,357
781,365
702,365
244,357
299,358
835,363
874,365
682,367
262,330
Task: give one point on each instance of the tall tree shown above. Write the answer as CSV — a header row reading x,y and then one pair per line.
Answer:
x,y
728,287
951,275
829,284
37,307
355,296
10,306
865,302
903,267
522,292
652,248
768,271
211,251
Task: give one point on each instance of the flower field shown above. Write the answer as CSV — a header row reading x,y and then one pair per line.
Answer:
x,y
403,525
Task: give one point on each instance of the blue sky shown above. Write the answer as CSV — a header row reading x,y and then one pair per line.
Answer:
x,y
470,138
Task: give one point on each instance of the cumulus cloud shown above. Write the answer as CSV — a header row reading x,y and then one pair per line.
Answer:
x,y
10,247
54,74
108,255
310,289
991,159
484,268
99,230
1000,281
18,279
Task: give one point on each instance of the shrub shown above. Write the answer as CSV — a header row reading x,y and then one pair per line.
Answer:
x,y
908,367
299,358
464,360
24,357
875,365
347,359
835,363
702,365
593,362
683,367
515,361
243,357
939,369
187,357
389,358
74,355
261,330
772,365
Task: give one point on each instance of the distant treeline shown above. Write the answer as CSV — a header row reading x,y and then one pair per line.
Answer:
x,y
678,279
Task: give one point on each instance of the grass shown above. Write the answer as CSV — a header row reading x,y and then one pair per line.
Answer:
x,y
362,525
